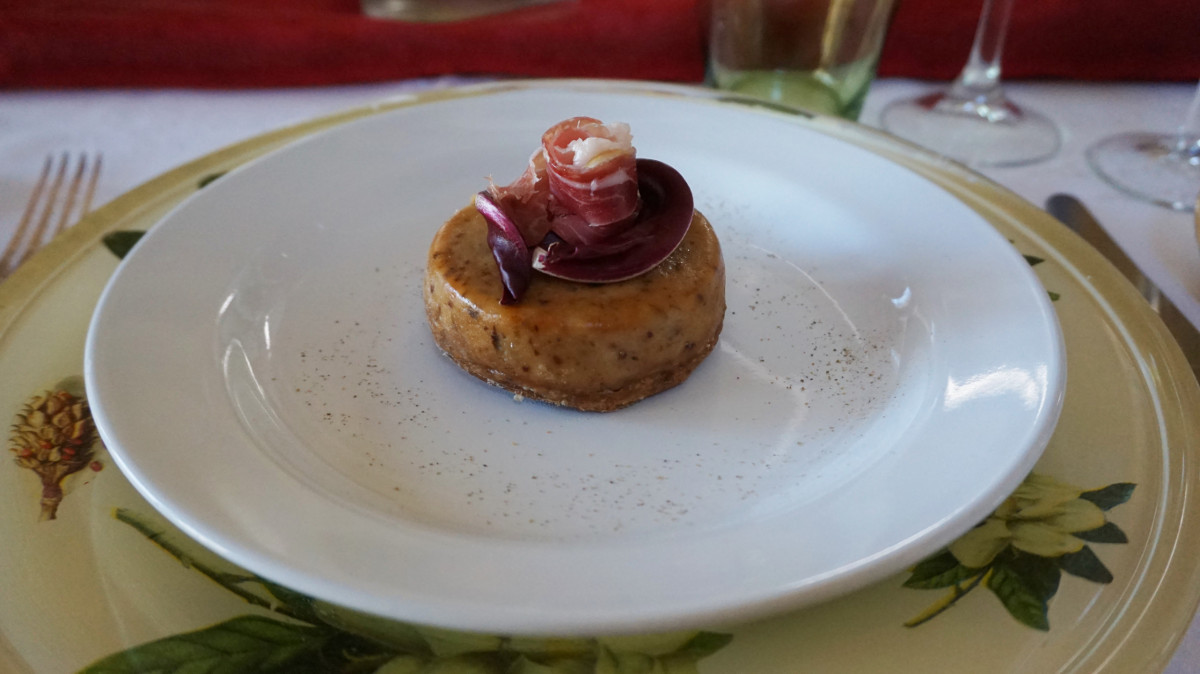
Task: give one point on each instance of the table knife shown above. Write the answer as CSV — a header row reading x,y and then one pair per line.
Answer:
x,y
1075,215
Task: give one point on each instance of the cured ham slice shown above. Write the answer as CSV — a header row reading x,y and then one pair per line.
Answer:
x,y
580,200
666,214
592,176
581,183
526,201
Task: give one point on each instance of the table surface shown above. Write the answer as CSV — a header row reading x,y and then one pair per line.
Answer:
x,y
143,133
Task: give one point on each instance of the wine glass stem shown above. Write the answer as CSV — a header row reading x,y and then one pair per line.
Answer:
x,y
980,78
1187,140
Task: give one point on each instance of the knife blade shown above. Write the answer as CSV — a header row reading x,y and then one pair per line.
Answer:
x,y
1070,211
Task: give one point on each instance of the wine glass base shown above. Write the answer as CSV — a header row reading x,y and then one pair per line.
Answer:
x,y
976,132
1152,167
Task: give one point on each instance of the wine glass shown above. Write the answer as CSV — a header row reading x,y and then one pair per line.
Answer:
x,y
973,121
1161,168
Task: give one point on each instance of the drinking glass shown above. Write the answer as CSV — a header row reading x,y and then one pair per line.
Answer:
x,y
1162,168
819,55
974,121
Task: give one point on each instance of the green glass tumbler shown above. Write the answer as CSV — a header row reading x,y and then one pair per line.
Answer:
x,y
818,55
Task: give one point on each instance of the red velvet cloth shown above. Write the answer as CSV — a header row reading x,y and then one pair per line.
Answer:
x,y
253,43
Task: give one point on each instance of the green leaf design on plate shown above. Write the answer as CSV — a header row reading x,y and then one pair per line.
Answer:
x,y
939,571
617,662
523,665
292,603
1023,548
1111,496
304,635
1108,533
234,580
245,644
1041,574
122,241
958,591
1020,596
1034,261
1085,564
209,179
704,644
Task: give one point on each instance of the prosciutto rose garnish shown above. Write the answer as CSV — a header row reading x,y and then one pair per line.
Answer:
x,y
586,209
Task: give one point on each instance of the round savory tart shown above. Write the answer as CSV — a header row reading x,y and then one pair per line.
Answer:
x,y
590,281
591,346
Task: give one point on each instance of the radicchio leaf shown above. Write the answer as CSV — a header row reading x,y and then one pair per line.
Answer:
x,y
661,224
508,248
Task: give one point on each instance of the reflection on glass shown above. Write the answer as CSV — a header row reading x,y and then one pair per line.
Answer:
x,y
974,121
1162,168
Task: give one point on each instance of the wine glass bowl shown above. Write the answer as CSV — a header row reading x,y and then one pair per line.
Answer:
x,y
985,129
973,121
1161,168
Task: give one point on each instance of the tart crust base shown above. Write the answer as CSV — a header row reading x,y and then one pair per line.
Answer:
x,y
593,347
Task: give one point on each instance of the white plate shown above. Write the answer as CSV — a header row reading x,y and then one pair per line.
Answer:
x,y
261,370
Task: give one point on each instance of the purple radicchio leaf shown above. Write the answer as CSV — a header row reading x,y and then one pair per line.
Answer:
x,y
508,248
662,223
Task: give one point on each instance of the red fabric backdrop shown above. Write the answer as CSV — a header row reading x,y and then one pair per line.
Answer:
x,y
251,43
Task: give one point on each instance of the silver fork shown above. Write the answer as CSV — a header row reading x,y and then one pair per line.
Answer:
x,y
55,204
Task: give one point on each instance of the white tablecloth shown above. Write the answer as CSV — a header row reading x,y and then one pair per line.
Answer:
x,y
144,133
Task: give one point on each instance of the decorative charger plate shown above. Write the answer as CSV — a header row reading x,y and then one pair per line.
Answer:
x,y
1079,570
889,371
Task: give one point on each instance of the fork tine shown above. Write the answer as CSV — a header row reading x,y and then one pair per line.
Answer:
x,y
17,241
64,214
39,233
46,197
91,185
